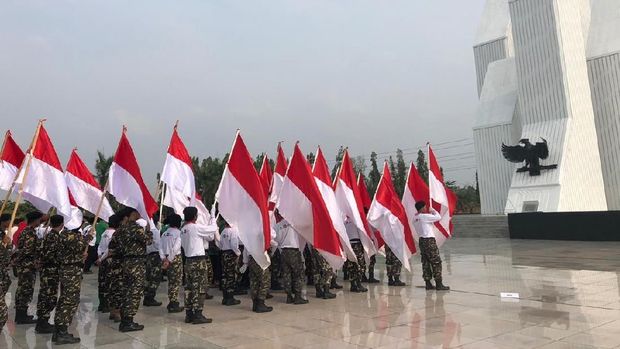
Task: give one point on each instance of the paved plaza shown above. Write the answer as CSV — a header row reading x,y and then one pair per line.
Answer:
x,y
569,298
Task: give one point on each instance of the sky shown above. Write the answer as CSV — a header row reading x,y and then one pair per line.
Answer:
x,y
373,75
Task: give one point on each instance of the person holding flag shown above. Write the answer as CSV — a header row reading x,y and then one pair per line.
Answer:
x,y
431,260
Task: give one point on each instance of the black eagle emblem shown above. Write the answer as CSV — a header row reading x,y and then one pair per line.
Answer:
x,y
530,153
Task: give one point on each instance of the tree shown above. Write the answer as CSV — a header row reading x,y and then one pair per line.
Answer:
x,y
401,173
422,166
339,157
102,167
392,168
374,176
359,165
477,185
311,158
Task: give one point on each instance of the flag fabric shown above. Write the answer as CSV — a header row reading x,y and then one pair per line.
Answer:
x,y
302,205
242,202
439,197
84,190
278,175
387,214
10,161
350,202
178,173
75,218
266,176
126,183
415,190
366,202
42,181
323,183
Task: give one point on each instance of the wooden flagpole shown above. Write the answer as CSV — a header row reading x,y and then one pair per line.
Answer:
x,y
430,197
33,144
103,192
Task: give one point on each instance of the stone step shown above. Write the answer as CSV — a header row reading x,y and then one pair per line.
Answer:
x,y
480,226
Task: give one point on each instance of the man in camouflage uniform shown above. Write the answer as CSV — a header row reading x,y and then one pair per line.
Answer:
x,y
153,270
170,254
71,257
292,261
48,277
5,261
114,274
393,266
132,240
26,264
229,245
431,260
323,274
355,270
104,262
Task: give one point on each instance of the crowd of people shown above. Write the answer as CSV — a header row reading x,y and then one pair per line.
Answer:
x,y
134,255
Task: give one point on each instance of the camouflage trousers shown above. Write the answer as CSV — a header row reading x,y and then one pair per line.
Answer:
x,y
292,271
134,270
392,264
175,278
5,283
153,274
229,270
276,266
209,271
371,264
356,270
48,291
70,284
260,280
323,272
431,261
26,277
196,283
309,262
102,286
114,283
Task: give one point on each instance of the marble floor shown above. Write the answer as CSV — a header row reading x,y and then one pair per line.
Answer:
x,y
569,298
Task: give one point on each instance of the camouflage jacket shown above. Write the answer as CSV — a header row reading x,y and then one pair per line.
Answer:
x,y
130,240
50,249
27,248
72,245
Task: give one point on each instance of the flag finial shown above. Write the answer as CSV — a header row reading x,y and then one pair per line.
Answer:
x,y
124,128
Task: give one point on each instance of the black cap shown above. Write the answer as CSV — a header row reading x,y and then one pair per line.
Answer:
x,y
420,205
33,216
126,212
56,220
174,220
190,213
5,218
114,221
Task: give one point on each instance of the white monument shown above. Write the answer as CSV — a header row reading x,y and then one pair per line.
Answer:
x,y
549,69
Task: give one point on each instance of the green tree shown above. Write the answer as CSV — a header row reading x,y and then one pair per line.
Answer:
x,y
311,158
422,166
102,167
392,166
339,157
359,165
374,176
401,173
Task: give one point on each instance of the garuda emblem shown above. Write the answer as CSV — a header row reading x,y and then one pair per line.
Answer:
x,y
530,153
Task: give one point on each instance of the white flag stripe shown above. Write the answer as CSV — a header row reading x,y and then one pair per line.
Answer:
x,y
45,183
278,180
329,197
126,189
179,176
392,231
346,201
409,205
7,175
88,197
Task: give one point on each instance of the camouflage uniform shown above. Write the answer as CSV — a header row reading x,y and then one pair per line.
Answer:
x,y
49,274
196,282
5,281
70,255
114,277
131,245
230,263
356,270
392,264
27,249
209,269
175,278
431,261
371,264
153,274
310,267
292,271
323,272
275,267
260,280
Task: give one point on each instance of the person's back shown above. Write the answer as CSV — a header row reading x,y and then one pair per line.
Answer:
x,y
431,260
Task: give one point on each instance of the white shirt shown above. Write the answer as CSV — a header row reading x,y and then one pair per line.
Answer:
x,y
352,230
103,249
42,231
229,240
154,247
286,236
423,223
170,245
195,238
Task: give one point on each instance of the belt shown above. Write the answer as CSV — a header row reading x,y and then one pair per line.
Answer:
x,y
290,248
134,256
195,258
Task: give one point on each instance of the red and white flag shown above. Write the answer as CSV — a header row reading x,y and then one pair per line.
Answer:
x,y
441,198
10,161
278,175
126,183
302,205
350,202
242,202
366,202
75,219
415,190
84,189
323,183
41,180
387,214
266,176
178,173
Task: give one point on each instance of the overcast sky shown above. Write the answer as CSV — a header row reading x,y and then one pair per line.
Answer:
x,y
372,75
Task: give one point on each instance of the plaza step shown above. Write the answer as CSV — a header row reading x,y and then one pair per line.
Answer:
x,y
480,226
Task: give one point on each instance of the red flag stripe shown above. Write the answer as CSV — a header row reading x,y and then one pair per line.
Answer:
x,y
178,150
12,153
78,168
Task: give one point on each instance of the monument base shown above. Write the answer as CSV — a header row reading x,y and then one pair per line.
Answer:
x,y
580,226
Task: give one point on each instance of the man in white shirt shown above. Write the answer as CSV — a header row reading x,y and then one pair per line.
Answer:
x,y
229,245
170,254
431,260
355,270
153,268
292,263
194,241
103,276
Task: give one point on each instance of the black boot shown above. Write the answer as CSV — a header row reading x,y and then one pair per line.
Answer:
x,y
22,317
397,281
334,284
260,307
174,307
269,296
319,292
289,299
361,287
43,327
150,301
429,285
189,315
371,277
441,286
299,300
199,319
354,287
127,325
390,281
327,294
61,336
364,278
229,299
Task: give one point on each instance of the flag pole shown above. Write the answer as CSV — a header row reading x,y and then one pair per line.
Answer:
x,y
161,204
430,197
100,206
33,144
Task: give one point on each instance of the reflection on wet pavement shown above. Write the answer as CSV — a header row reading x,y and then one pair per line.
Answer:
x,y
570,298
